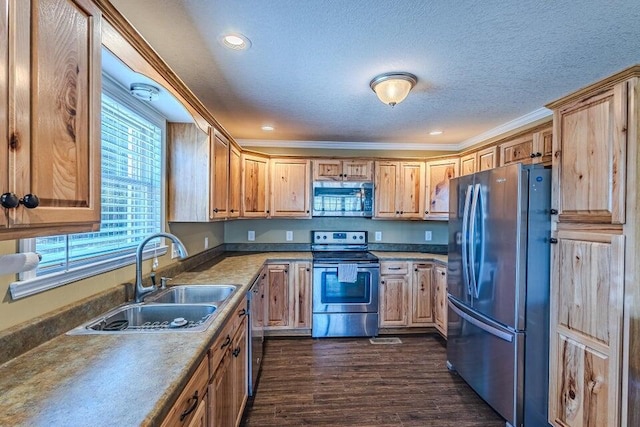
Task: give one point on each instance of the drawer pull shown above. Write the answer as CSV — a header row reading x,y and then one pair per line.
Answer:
x,y
191,408
242,312
394,268
226,342
236,352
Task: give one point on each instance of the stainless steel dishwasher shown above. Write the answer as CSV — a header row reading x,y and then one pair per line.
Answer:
x,y
255,298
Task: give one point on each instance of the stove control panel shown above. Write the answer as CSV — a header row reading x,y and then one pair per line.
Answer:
x,y
339,237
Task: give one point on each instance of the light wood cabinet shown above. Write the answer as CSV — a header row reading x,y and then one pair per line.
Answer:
x,y
288,292
394,300
518,150
255,186
239,367
399,189
487,158
342,170
302,295
190,407
188,165
439,172
468,164
421,295
290,188
219,175
440,305
235,181
51,83
586,319
543,146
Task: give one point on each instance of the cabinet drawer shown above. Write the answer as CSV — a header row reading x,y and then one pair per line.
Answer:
x,y
394,268
185,407
221,345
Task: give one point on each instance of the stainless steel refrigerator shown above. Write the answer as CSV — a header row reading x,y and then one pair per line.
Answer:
x,y
498,288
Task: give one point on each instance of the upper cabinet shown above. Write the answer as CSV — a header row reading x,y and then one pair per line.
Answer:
x,y
290,188
468,164
439,172
342,170
255,186
219,175
399,189
235,181
534,147
591,154
50,88
479,161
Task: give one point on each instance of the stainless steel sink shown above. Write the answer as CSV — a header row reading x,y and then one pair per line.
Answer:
x,y
137,318
193,294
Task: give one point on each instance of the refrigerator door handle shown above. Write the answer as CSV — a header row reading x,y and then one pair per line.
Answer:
x,y
472,241
465,239
485,327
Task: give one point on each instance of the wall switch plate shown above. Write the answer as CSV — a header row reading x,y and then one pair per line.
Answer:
x,y
174,251
251,235
428,236
378,237
206,243
289,236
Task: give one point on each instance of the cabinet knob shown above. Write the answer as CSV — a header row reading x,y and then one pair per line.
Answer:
x,y
401,212
9,200
443,273
382,281
308,269
215,210
268,211
532,155
415,269
553,240
307,211
30,201
538,154
236,352
553,211
232,211
397,212
426,212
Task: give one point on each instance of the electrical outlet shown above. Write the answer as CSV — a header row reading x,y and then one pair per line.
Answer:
x,y
428,236
251,235
378,236
174,251
289,237
206,243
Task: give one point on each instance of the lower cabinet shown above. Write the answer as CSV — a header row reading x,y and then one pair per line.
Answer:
x,y
288,295
440,305
190,408
407,294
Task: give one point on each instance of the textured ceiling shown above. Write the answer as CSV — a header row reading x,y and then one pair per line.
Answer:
x,y
479,63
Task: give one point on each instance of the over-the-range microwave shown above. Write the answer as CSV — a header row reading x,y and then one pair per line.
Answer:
x,y
342,199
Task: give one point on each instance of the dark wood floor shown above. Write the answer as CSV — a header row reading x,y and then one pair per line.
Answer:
x,y
351,382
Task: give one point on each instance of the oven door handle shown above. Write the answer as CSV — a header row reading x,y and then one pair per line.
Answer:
x,y
360,266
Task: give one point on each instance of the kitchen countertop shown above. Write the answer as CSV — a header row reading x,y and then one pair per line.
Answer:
x,y
128,379
413,256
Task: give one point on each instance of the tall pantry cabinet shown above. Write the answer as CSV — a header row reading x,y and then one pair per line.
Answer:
x,y
595,298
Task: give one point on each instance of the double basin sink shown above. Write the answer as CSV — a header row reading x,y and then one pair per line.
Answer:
x,y
177,308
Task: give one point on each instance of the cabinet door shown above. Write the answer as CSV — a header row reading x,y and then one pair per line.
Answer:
x,y
440,299
258,304
586,327
239,367
219,175
302,295
543,146
188,171
255,186
468,164
590,157
357,170
422,304
4,99
184,410
386,183
439,173
394,300
278,313
410,193
221,396
54,111
327,170
518,150
235,182
290,188
487,158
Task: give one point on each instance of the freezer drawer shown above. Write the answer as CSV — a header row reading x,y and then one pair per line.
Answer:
x,y
489,358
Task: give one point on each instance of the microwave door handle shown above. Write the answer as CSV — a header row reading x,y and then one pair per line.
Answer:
x,y
472,240
465,240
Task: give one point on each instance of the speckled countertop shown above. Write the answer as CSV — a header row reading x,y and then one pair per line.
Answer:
x,y
129,379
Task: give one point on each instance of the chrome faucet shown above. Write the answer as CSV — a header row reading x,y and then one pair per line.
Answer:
x,y
141,290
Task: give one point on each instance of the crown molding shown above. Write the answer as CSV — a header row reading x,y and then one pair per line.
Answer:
x,y
529,120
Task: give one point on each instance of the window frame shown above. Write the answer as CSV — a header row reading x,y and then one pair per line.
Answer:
x,y
29,284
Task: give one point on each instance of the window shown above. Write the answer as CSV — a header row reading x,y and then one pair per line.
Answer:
x,y
131,197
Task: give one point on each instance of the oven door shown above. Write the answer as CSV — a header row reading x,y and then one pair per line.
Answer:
x,y
332,296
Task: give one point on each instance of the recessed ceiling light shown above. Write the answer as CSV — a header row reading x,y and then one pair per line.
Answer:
x,y
236,41
435,132
267,128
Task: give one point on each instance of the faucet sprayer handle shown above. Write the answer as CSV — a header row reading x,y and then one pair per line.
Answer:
x,y
163,282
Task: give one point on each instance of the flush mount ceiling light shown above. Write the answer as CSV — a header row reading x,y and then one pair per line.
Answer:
x,y
144,91
393,88
435,132
235,41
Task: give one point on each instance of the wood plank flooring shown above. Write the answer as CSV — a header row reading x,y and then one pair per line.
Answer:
x,y
351,382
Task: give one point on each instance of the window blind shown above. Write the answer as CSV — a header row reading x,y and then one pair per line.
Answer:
x,y
131,194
